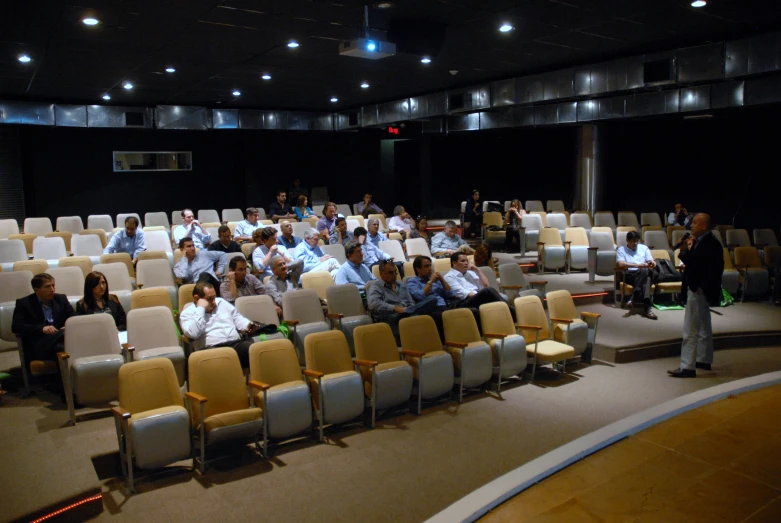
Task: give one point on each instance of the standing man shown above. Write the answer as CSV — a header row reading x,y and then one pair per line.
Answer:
x,y
287,240
190,228
326,224
635,258
703,258
225,242
197,267
244,229
280,209
129,240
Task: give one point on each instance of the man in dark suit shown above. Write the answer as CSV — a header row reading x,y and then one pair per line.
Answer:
x,y
40,319
703,258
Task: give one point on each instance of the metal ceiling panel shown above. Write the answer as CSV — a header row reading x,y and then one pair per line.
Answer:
x,y
729,94
612,107
530,89
463,122
475,97
765,53
587,110
696,64
435,125
434,104
114,116
568,112
503,93
582,81
70,115
558,84
546,114
275,120
342,120
183,117
225,118
695,98
391,112
369,116
736,55
645,104
524,116
27,113
498,119
763,90
250,119
303,121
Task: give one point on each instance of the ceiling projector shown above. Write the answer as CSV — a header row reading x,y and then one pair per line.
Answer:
x,y
367,48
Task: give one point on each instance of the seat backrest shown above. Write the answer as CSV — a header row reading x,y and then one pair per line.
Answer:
x,y
328,352
100,233
495,318
319,281
337,251
91,335
557,221
647,228
532,222
72,224
158,241
550,237
417,247
37,226
561,305
232,215
660,253
147,385
116,276
718,236
120,257
216,373
529,311
156,219
151,327
84,263
672,228
555,206
580,219
511,274
747,257
441,265
344,299
656,240
121,217
534,206
677,235
300,228
68,280
604,219
208,216
66,237
343,209
419,333
765,237
738,238
274,362
375,342
460,326
302,305
176,218
158,255
247,248
727,260
492,219
621,235
86,245
185,295
100,221
543,217
393,247
49,248
577,236
261,309
15,285
151,297
34,266
12,251
7,228
650,218
487,202
628,219
490,275
154,273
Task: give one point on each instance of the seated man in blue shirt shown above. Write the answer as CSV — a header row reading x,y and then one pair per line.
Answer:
x,y
638,267
129,240
245,228
372,255
196,267
375,236
341,235
287,240
353,270
314,257
447,242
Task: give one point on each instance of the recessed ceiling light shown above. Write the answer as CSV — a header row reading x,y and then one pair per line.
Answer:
x,y
90,21
699,3
170,70
383,5
364,85
24,58
506,28
236,93
425,60
334,99
107,97
127,85
266,77
293,44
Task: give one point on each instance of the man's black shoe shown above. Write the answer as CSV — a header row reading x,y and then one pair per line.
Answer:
x,y
682,373
703,366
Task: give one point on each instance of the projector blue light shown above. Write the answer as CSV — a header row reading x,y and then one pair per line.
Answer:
x,y
371,46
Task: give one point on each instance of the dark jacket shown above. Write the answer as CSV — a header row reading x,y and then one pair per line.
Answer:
x,y
114,305
704,267
217,246
28,321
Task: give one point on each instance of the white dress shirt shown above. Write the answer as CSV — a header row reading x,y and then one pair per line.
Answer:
x,y
207,330
396,223
462,285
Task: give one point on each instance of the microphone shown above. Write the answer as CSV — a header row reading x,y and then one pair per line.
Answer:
x,y
682,241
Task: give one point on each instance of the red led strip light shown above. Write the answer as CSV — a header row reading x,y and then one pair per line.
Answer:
x,y
69,507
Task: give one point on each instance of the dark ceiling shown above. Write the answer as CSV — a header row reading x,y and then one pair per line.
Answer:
x,y
221,46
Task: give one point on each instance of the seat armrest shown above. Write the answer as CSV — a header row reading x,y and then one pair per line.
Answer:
x,y
529,327
494,335
63,355
568,243
590,314
538,282
334,315
139,285
593,248
367,363
258,385
760,245
512,287
195,398
455,344
185,339
292,322
313,373
120,413
413,353
540,243
561,320
619,269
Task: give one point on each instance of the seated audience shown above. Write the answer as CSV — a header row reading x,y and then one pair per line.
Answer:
x,y
484,256
636,259
470,285
129,240
473,214
191,228
315,260
375,236
420,230
401,221
390,301
373,255
245,228
213,322
680,216
341,235
327,223
39,319
280,208
279,283
287,239
239,283
447,242
97,300
297,190
267,248
196,267
302,209
354,270
224,241
367,207
512,225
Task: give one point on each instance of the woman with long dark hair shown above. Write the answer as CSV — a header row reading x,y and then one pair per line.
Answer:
x,y
473,214
97,300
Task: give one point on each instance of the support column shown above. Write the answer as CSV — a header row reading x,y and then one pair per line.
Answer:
x,y
587,191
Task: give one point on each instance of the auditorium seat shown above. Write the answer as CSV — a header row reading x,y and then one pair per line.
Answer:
x,y
100,233
159,255
341,208
645,228
533,326
233,215
532,224
665,287
100,221
621,234
336,251
37,226
153,427
650,219
220,408
336,387
312,221
34,266
28,240
12,251
151,333
50,249
605,219
266,223
208,216
755,277
737,238
432,367
176,218
723,229
507,347
543,217
671,229
361,222
121,217
302,311
576,241
318,281
286,403
550,248
601,254
557,221
514,282
159,241
628,219
300,228
393,247
346,309
657,240
472,358
156,273
82,262
87,245
555,206
416,247
124,259
534,206
387,380
66,237
90,364
151,297
581,219
185,295
677,235
490,275
571,328
718,236
157,219
71,224
376,270
7,228
68,281
765,238
730,278
118,280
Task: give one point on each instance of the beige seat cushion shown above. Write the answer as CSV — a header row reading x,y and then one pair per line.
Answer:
x,y
281,386
229,419
41,367
550,351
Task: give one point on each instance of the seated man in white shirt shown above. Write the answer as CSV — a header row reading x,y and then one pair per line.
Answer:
x,y
315,260
191,228
213,322
470,285
447,242
267,248
245,228
400,222
636,259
